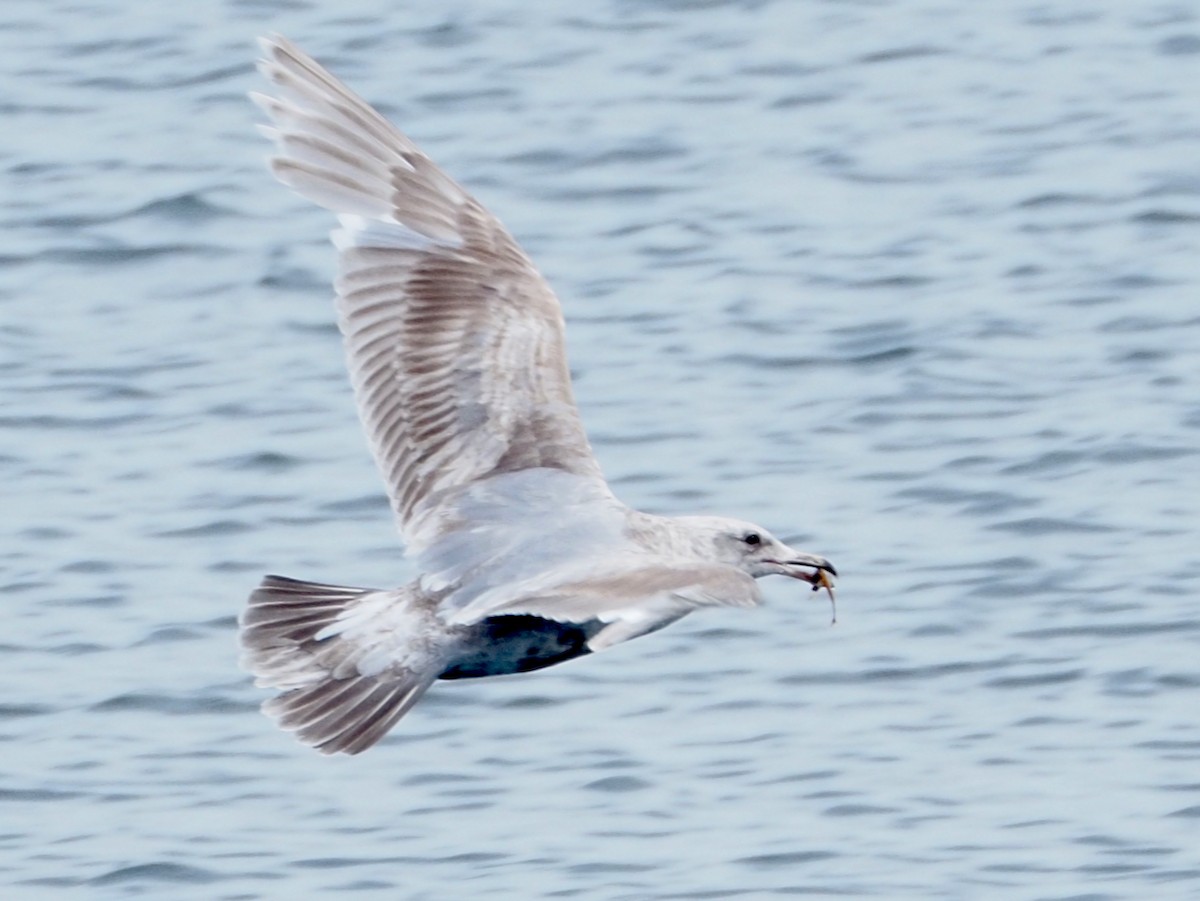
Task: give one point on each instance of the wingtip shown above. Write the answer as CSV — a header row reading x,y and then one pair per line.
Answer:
x,y
264,102
277,53
270,42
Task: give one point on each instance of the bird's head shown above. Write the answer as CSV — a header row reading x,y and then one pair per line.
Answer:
x,y
757,552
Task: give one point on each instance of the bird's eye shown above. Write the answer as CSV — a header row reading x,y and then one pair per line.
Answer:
x,y
752,538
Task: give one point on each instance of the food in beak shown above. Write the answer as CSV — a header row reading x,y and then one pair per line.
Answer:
x,y
820,579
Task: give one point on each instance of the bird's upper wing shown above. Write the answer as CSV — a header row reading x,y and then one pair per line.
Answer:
x,y
454,340
631,596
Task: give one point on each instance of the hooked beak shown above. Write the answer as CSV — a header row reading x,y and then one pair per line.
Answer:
x,y
808,567
815,571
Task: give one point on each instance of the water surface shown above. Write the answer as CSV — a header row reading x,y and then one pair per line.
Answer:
x,y
912,284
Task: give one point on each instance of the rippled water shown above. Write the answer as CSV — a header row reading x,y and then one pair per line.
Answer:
x,y
913,284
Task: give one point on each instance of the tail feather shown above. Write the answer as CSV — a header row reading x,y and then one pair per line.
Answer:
x,y
350,718
371,729
342,656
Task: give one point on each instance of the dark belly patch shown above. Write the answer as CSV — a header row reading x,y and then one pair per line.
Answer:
x,y
500,645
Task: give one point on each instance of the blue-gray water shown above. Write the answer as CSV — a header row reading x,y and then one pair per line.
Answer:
x,y
914,284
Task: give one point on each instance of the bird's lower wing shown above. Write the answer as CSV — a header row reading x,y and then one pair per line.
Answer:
x,y
630,599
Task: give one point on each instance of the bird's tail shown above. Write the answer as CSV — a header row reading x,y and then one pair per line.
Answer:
x,y
339,654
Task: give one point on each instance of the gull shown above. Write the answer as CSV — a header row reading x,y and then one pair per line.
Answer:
x,y
455,348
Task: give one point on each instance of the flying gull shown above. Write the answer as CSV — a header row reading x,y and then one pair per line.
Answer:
x,y
454,344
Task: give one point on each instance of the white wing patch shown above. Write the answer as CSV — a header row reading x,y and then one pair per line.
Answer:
x,y
359,231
